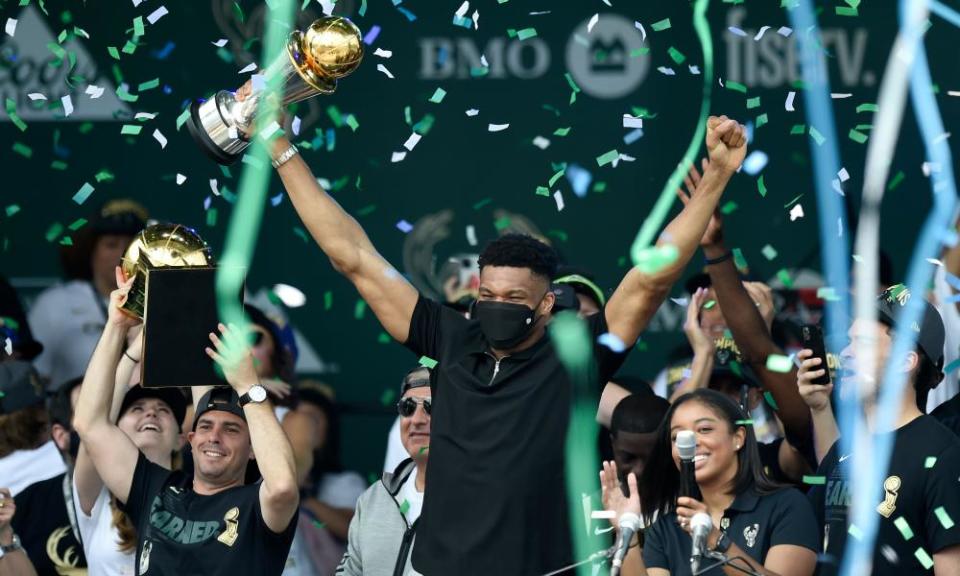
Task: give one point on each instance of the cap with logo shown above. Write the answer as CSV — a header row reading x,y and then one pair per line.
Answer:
x,y
930,332
19,386
220,398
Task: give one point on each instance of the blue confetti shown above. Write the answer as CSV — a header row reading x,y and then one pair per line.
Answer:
x,y
371,35
612,342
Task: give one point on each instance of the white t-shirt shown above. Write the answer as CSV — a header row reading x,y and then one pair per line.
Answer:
x,y
101,540
413,498
67,319
22,468
341,489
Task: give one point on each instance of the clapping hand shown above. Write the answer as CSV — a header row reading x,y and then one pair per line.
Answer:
x,y
613,496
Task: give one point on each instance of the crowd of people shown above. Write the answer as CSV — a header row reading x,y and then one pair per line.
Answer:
x,y
101,476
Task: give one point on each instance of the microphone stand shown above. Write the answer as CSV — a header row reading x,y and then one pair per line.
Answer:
x,y
601,554
722,560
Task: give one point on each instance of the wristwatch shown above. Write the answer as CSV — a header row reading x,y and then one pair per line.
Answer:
x,y
13,547
723,543
256,394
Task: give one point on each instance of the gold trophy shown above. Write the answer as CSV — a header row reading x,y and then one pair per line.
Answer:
x,y
160,246
329,49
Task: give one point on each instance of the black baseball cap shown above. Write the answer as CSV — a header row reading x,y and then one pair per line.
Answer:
x,y
172,396
14,325
19,386
416,378
931,334
220,398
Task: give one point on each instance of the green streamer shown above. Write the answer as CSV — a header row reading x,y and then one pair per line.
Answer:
x,y
659,213
244,225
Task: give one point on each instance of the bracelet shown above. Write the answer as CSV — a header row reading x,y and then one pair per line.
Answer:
x,y
719,260
132,359
285,156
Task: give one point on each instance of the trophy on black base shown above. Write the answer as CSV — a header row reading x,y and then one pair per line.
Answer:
x,y
330,48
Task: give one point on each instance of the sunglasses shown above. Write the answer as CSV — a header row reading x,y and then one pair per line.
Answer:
x,y
407,406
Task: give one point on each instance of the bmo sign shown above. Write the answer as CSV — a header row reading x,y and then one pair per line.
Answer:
x,y
599,59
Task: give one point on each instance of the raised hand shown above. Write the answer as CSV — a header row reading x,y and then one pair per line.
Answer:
x,y
726,143
699,340
763,297
816,396
714,232
233,355
116,316
612,495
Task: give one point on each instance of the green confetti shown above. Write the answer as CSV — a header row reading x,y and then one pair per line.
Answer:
x,y
607,157
676,55
212,217
77,224
405,507
561,131
738,259
148,85
367,210
573,85
798,129
753,103
363,8
924,558
952,366
857,137
815,480
302,234
327,300
427,362
769,252
761,119
778,363
138,29
359,309
423,449
130,129
828,294
438,95
114,53
384,338
761,187
129,48
12,209
66,241
817,136
502,223
896,180
944,518
104,176
57,50
930,462
388,396
126,96
846,11
785,279
543,191
728,208
736,86
352,122
53,231
866,108
182,118
555,177
22,149
482,203
773,403
526,33
661,25
904,527
747,422
792,202
85,191
58,165
709,304
11,106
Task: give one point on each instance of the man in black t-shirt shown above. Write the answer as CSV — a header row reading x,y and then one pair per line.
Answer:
x,y
501,396
919,498
210,523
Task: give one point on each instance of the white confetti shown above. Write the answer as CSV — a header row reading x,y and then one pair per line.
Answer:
x,y
159,137
497,127
611,341
558,196
137,3
11,27
398,156
760,34
541,142
681,301
755,162
36,96
67,105
838,95
258,82
788,105
472,112
666,71
94,91
214,187
412,141
953,92
290,296
8,346
483,61
736,31
643,32
935,262
271,129
181,179
383,69
632,121
930,168
220,43
796,212
248,68
157,14
941,138
471,235
462,10
383,53
843,175
603,514
145,115
593,22
695,70
476,19
295,125
785,31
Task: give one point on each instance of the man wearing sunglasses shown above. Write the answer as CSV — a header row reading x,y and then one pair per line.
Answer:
x,y
385,521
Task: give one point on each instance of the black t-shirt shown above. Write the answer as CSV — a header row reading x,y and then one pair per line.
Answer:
x,y
497,438
922,479
948,414
770,460
754,522
182,532
43,524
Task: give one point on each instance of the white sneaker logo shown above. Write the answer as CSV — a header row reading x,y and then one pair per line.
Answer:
x,y
842,458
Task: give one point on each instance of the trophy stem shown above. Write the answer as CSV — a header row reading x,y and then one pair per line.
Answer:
x,y
205,118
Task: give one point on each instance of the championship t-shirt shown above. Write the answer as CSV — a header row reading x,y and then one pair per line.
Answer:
x,y
182,532
918,501
497,437
43,523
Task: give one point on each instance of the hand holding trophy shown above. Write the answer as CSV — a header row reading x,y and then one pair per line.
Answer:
x,y
330,48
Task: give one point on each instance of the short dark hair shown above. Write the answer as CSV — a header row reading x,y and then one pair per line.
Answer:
x,y
521,251
61,412
638,414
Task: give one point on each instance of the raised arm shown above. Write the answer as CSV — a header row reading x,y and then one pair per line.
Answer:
x,y
113,454
817,397
279,494
704,348
639,294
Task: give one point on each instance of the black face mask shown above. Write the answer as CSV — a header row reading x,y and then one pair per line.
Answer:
x,y
504,324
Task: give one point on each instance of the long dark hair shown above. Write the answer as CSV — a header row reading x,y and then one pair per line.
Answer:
x,y
660,484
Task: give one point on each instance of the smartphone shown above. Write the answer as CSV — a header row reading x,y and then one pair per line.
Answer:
x,y
813,339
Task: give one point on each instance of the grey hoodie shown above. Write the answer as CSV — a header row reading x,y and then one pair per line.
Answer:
x,y
380,539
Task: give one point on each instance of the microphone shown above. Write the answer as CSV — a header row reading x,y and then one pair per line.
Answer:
x,y
702,525
687,448
630,524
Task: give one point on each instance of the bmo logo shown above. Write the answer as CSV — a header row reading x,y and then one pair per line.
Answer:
x,y
599,60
